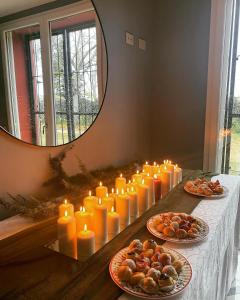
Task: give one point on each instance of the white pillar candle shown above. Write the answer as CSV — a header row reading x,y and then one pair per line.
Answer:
x,y
101,191
83,217
90,202
113,224
85,243
147,168
108,201
165,176
170,167
120,183
133,204
137,177
66,206
67,235
150,183
143,197
123,209
100,224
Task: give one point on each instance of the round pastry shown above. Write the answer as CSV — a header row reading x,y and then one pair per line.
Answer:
x,y
137,277
196,226
130,263
132,255
161,227
176,219
156,257
178,265
181,234
170,271
175,225
165,259
157,265
155,274
149,244
159,249
136,246
124,273
148,253
166,283
149,285
168,231
193,232
142,266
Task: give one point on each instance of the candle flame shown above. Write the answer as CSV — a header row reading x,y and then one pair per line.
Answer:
x,y
90,193
176,165
100,183
154,163
137,171
132,188
146,162
128,190
85,227
155,176
112,209
112,190
65,213
81,208
99,201
148,174
134,180
117,191
122,191
121,175
107,195
170,162
129,181
142,181
165,168
65,201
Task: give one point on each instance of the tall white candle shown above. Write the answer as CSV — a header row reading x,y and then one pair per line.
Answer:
x,y
85,243
90,202
101,191
67,235
120,183
150,183
165,177
66,206
134,210
100,224
113,224
143,197
123,209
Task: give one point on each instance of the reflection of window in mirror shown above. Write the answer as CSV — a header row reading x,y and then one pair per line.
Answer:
x,y
54,74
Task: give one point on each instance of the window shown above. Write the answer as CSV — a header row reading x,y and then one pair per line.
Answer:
x,y
58,68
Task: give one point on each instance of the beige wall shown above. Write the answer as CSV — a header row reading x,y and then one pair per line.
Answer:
x,y
120,133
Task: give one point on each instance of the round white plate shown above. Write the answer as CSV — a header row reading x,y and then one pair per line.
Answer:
x,y
183,279
202,236
214,196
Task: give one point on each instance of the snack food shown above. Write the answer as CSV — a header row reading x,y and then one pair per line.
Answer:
x,y
204,187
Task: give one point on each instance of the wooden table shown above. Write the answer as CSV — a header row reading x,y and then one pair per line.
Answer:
x,y
28,270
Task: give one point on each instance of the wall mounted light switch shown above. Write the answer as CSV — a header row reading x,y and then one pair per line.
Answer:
x,y
142,44
129,39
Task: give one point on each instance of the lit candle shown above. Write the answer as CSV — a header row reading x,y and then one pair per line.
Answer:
x,y
155,168
170,167
108,202
83,217
90,202
67,235
157,186
149,182
143,197
147,168
133,203
113,224
123,209
120,183
100,224
66,206
137,177
101,191
85,243
165,177
177,175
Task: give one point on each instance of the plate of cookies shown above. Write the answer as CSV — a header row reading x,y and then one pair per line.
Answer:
x,y
178,227
204,188
150,271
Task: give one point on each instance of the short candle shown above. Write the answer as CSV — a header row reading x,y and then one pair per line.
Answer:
x,y
85,243
66,206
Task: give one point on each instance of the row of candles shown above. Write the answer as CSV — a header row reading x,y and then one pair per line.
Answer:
x,y
104,215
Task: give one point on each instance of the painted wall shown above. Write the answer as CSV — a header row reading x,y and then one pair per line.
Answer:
x,y
180,80
120,133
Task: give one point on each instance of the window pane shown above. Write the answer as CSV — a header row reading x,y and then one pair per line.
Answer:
x,y
27,91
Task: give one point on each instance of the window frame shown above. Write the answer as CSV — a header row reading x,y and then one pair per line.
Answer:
x,y
43,20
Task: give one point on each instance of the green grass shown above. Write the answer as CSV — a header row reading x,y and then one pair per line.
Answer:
x,y
235,148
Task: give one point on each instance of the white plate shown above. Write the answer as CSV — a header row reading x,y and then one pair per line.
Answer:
x,y
183,279
214,196
202,236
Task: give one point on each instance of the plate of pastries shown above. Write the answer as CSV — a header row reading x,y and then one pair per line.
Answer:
x,y
205,188
150,271
178,227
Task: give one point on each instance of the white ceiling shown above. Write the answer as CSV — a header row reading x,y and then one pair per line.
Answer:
x,y
8,7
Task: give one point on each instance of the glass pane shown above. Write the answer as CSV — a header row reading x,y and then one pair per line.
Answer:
x,y
27,92
75,72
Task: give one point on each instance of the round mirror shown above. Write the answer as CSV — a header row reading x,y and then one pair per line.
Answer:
x,y
55,69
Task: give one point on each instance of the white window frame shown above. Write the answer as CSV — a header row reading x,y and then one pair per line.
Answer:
x,y
219,52
43,20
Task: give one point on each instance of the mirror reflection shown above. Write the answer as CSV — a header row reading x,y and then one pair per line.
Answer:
x,y
55,74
